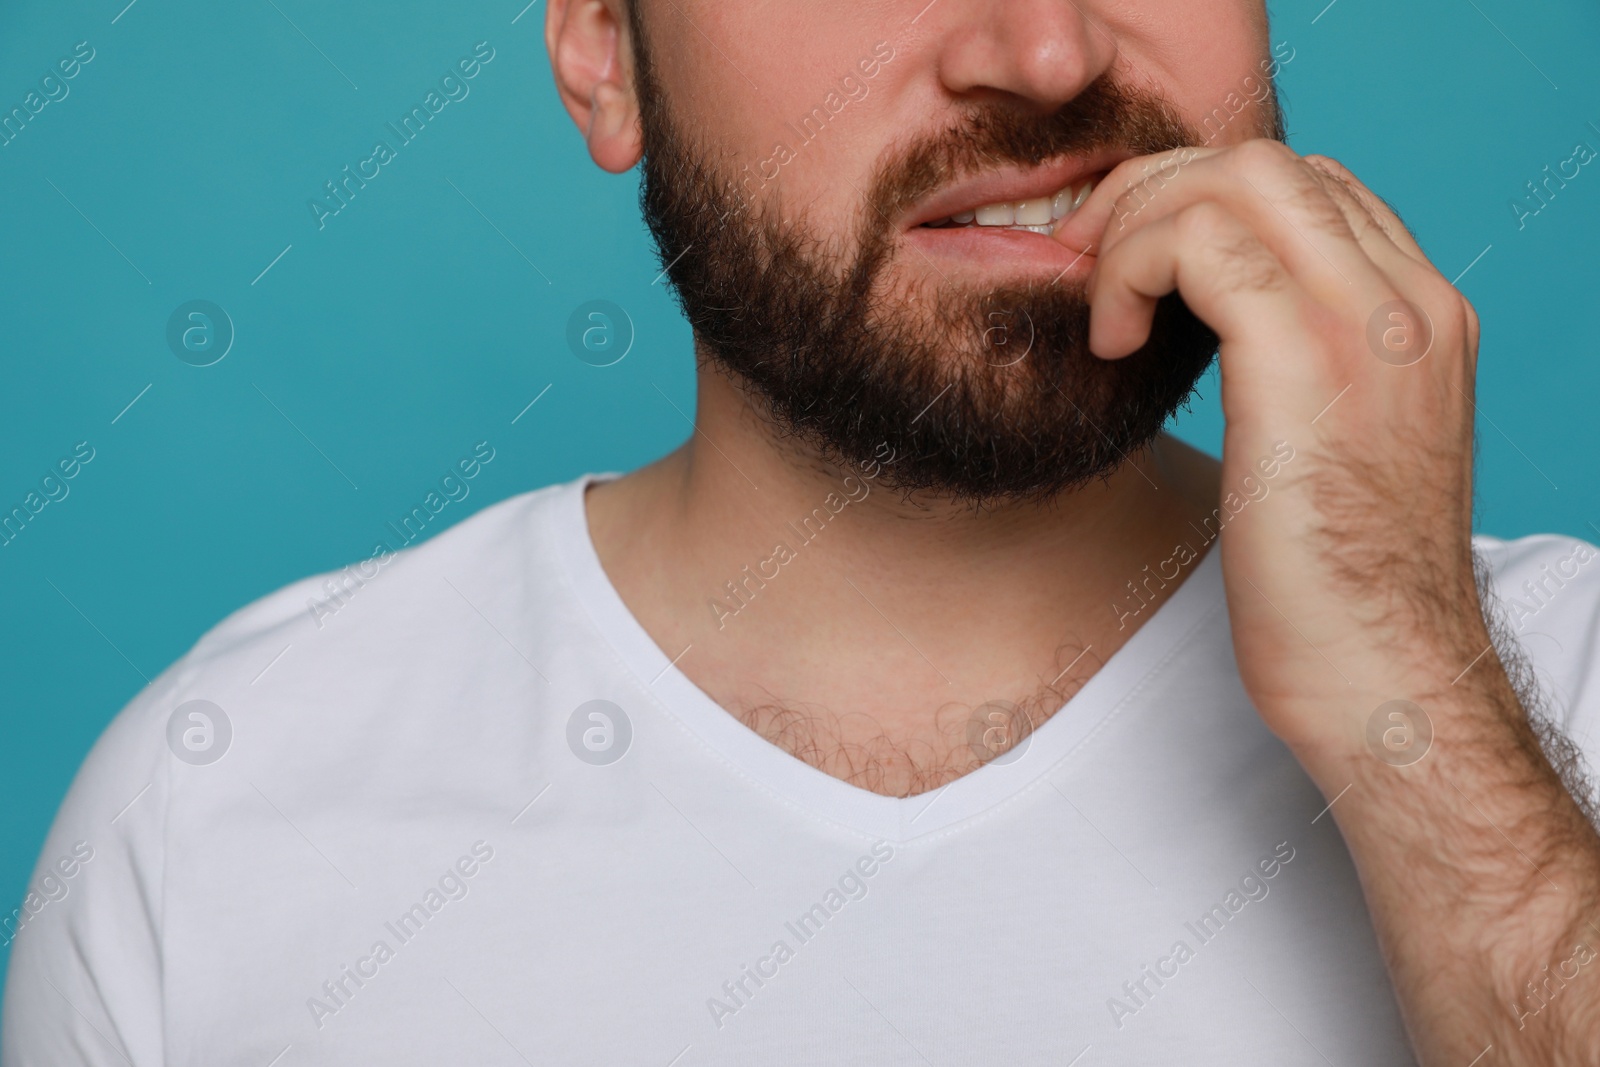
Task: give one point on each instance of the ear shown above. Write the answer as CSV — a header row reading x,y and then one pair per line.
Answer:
x,y
591,55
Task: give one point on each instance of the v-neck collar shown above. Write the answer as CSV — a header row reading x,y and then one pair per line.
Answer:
x,y
891,818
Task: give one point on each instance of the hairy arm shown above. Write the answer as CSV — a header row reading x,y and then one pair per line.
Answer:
x,y
1477,855
1357,620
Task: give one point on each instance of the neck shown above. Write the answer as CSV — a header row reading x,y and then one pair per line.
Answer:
x,y
862,630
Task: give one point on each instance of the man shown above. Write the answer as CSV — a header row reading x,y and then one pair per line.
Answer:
x,y
928,706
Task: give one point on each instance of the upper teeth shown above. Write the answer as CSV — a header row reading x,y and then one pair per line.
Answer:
x,y
1039,214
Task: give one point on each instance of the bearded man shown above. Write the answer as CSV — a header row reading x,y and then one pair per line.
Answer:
x,y
929,704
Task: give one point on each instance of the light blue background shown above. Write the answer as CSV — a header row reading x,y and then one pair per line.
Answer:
x,y
412,326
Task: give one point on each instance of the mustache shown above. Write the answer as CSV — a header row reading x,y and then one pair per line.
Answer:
x,y
1106,114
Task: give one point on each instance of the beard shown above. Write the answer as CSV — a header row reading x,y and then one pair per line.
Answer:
x,y
981,394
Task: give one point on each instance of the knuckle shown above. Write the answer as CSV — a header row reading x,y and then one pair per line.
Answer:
x,y
1465,317
1205,222
1252,268
1442,297
1235,259
1329,165
1363,221
1453,317
1319,207
1316,200
1285,179
1262,154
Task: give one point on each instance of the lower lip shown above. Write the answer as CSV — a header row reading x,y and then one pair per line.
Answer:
x,y
995,248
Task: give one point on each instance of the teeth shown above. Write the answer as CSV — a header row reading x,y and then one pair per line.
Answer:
x,y
1003,214
1034,212
1038,214
1062,204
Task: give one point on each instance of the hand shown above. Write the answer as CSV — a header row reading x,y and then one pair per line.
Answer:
x,y
1351,583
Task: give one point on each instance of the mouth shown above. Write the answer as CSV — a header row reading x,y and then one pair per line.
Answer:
x,y
1010,221
1040,214
1015,197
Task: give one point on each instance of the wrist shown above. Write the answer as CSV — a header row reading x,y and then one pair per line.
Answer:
x,y
1455,780
1400,715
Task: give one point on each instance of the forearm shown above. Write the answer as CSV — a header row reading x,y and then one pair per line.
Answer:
x,y
1481,873
1355,585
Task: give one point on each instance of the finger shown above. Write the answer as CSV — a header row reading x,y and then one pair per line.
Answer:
x,y
1142,176
1227,277
1368,215
1414,274
1375,207
1262,183
1380,235
1085,228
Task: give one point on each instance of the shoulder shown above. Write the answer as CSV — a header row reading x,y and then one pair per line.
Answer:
x,y
342,641
340,659
395,613
504,535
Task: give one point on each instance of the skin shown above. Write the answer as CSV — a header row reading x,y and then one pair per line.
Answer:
x,y
1350,585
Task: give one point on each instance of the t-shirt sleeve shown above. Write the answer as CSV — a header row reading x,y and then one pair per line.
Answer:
x,y
84,984
1548,590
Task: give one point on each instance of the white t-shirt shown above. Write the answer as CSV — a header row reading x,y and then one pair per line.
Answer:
x,y
423,843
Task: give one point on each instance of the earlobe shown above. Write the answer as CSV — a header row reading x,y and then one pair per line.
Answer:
x,y
586,40
613,135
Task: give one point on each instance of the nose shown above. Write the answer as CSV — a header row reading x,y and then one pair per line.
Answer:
x,y
1041,53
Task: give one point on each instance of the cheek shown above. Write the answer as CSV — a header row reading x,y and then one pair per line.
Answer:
x,y
822,44
1199,52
